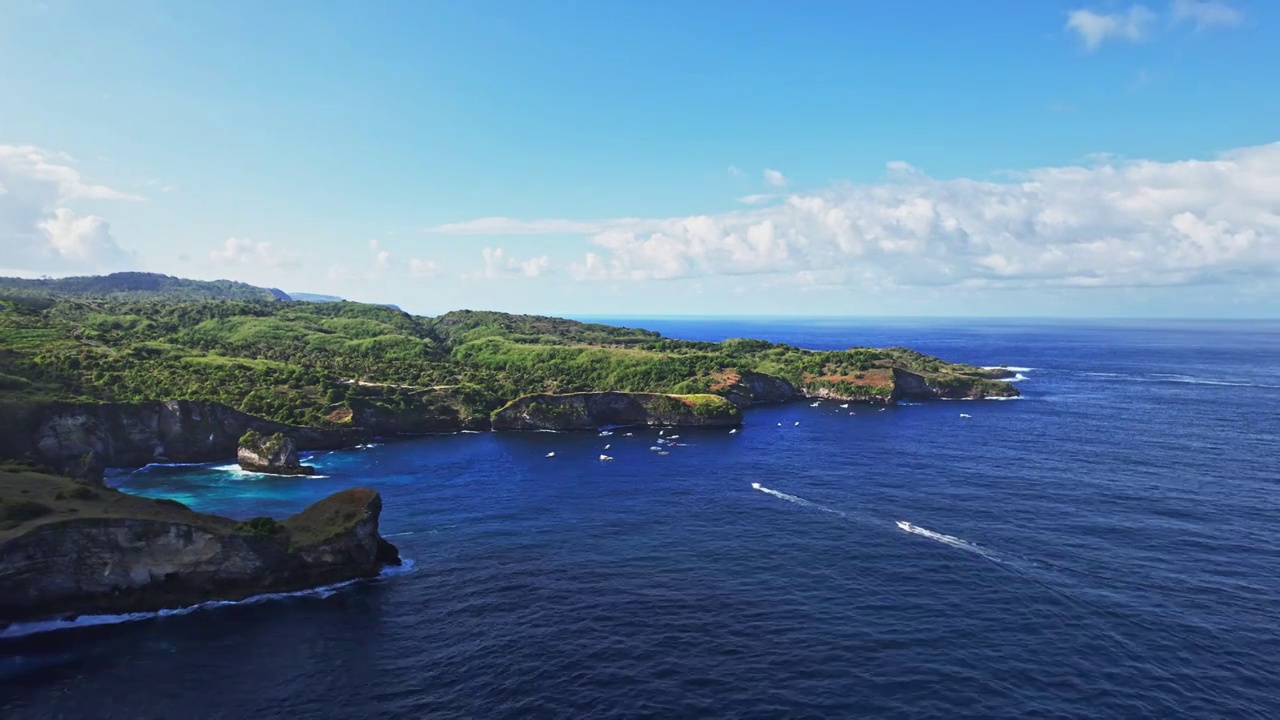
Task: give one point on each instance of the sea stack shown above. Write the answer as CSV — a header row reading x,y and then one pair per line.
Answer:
x,y
275,454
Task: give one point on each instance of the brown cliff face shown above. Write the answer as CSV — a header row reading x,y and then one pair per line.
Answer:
x,y
99,551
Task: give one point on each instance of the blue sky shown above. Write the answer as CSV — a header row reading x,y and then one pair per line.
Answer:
x,y
928,158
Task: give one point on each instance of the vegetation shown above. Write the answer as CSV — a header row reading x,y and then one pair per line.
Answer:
x,y
325,364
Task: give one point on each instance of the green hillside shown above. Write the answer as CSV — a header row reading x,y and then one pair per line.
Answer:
x,y
327,363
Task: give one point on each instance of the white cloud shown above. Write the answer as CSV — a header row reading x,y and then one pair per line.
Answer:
x,y
242,251
1110,222
510,226
734,170
381,258
499,265
775,178
423,268
1206,14
758,199
1095,28
38,232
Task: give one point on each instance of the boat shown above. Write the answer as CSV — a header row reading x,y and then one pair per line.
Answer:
x,y
661,433
733,431
656,447
664,452
797,422
815,403
845,405
755,486
605,433
605,458
675,437
905,525
965,415
551,454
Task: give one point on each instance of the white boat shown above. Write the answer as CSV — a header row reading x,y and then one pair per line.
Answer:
x,y
661,433
797,422
605,458
656,447
733,431
815,403
845,405
606,447
675,437
551,454
605,433
664,452
630,434
905,525
966,415
883,409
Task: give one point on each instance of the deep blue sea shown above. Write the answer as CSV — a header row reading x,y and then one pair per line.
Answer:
x,y
1106,547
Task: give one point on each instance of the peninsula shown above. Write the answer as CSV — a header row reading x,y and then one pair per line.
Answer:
x,y
129,369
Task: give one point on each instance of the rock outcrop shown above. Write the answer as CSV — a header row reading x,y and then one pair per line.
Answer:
x,y
588,411
94,550
84,438
912,386
745,389
276,454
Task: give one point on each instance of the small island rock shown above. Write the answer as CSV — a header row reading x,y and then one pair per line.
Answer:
x,y
275,454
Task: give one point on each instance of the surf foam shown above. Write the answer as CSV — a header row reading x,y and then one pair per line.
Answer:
x,y
35,627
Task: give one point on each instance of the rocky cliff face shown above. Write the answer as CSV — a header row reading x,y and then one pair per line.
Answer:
x,y
588,411
911,386
275,454
751,388
84,438
142,555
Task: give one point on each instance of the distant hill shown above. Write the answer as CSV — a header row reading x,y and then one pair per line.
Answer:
x,y
313,297
138,286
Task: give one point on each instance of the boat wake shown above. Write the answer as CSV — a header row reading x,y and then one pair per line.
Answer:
x,y
947,540
23,629
795,499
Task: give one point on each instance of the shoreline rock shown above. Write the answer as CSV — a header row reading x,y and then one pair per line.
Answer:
x,y
589,411
95,550
275,454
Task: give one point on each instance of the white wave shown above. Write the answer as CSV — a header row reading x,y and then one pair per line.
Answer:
x,y
234,469
1010,368
34,627
366,446
1190,380
1016,397
794,499
548,431
470,432
944,539
1016,378
401,534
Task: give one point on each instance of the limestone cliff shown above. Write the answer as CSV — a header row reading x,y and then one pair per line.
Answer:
x,y
84,438
68,548
588,411
276,454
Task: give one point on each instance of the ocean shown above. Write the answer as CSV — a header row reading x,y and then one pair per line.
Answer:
x,y
1107,546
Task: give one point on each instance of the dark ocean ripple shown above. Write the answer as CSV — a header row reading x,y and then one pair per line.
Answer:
x,y
1105,548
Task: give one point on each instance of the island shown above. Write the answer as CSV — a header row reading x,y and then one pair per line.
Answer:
x,y
135,368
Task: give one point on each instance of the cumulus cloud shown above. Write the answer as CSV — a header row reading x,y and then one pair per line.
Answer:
x,y
38,232
775,178
1108,222
242,251
1205,14
511,226
423,268
757,199
499,265
1095,28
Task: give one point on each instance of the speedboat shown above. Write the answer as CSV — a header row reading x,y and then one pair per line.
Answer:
x,y
905,525
551,454
605,458
845,405
606,447
965,415
733,431
815,403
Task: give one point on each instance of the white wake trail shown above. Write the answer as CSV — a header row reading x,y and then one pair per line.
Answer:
x,y
795,499
947,540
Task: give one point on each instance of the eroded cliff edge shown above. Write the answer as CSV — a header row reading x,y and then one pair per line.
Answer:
x,y
72,548
588,411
